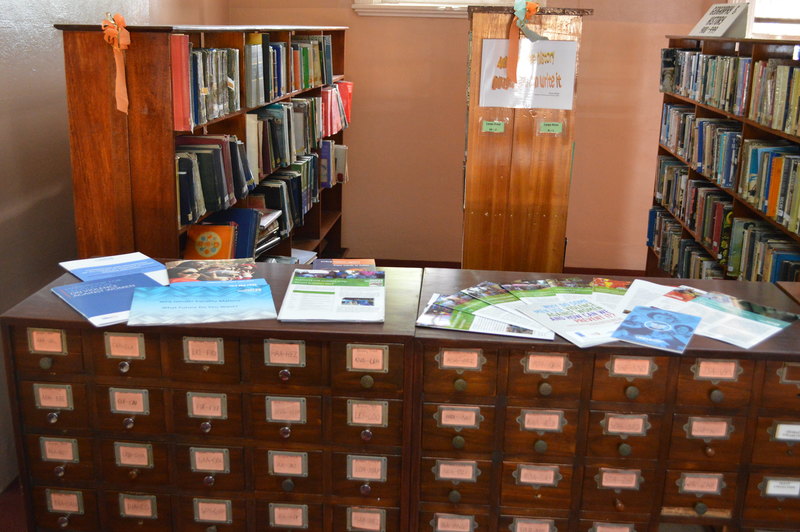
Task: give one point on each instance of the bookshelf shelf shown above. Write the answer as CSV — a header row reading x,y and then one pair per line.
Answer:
x,y
729,158
128,160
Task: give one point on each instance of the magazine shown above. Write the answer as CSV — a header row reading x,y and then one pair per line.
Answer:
x,y
116,266
335,295
657,328
580,321
180,271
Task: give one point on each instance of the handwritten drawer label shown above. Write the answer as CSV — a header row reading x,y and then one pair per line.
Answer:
x,y
374,358
701,483
127,401
789,373
456,471
549,364
138,506
207,405
460,359
619,479
631,367
64,501
459,417
542,421
59,449
203,350
788,432
129,346
286,409
717,370
368,413
47,341
288,515
133,454
537,476
212,511
53,396
611,527
366,519
625,425
708,428
520,524
366,468
205,460
285,353
287,464
453,523
780,488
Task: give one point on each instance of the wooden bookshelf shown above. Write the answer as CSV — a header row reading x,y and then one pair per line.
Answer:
x,y
123,166
712,103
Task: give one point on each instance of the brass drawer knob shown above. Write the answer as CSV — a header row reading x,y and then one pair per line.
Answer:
x,y
287,484
460,385
700,508
459,442
619,505
133,473
454,496
46,362
540,446
716,396
285,432
632,392
128,423
367,382
205,426
709,451
284,375
52,417
625,449
209,480
366,435
545,389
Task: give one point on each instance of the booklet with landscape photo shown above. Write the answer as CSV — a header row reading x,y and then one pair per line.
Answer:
x,y
335,295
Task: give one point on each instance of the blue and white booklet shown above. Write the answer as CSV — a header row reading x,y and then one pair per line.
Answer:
x,y
104,301
657,328
203,302
111,266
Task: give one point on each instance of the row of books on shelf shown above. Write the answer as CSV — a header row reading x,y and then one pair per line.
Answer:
x,y
749,250
714,80
775,98
770,180
236,233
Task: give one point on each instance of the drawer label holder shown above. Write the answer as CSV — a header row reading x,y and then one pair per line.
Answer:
x,y
212,511
700,484
456,471
362,519
460,360
285,353
287,463
537,476
780,487
546,364
128,346
453,523
619,479
624,425
283,515
522,524
458,417
64,501
368,358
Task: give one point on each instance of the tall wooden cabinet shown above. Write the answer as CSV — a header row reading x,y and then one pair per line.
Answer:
x,y
123,166
720,84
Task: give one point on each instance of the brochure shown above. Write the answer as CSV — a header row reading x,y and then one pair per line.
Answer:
x,y
335,295
441,317
580,321
657,328
609,292
106,301
180,271
207,302
116,266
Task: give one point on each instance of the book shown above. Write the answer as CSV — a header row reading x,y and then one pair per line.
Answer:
x,y
207,302
110,266
104,301
661,329
179,65
343,264
335,295
210,242
246,222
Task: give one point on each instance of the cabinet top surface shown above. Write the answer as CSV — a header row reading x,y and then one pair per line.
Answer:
x,y
449,281
200,29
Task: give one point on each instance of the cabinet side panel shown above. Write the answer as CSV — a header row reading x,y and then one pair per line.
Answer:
x,y
98,148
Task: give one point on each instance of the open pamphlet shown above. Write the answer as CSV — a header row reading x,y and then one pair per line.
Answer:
x,y
335,295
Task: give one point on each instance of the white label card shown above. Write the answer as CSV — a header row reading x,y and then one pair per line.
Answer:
x,y
520,524
212,511
129,454
286,409
717,370
453,523
287,464
127,346
203,350
47,341
285,353
782,487
207,405
288,515
366,519
787,432
366,468
372,358
59,449
127,401
204,460
709,429
138,506
53,396
626,425
62,501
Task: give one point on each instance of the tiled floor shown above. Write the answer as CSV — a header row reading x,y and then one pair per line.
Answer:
x,y
11,509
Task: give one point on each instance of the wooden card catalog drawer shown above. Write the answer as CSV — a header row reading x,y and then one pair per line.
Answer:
x,y
611,526
522,523
210,468
42,351
200,412
288,471
707,438
374,477
624,435
278,515
457,427
135,463
455,481
365,519
537,485
202,358
58,508
458,521
714,382
125,511
544,375
283,363
773,497
54,405
547,433
630,379
777,442
134,410
288,418
128,354
698,494
56,459
201,514
374,422
460,371
781,386
360,368
623,490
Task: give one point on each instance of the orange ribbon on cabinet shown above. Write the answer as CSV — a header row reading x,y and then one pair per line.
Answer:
x,y
514,35
119,38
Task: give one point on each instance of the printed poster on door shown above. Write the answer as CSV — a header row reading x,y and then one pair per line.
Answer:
x,y
545,75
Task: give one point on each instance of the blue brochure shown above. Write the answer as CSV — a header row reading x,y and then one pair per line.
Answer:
x,y
657,328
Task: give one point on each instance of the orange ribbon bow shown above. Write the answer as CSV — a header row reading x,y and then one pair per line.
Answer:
x,y
119,38
531,8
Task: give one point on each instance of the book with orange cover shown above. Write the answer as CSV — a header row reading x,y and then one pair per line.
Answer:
x,y
210,242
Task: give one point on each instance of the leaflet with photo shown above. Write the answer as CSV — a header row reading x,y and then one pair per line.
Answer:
x,y
335,295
